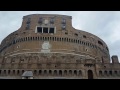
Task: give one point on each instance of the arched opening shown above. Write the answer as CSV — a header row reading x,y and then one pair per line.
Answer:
x,y
80,73
35,38
100,73
4,72
40,72
105,73
115,72
80,42
55,72
18,71
48,38
13,72
65,72
45,38
83,43
0,71
22,71
75,72
35,72
110,72
90,74
69,39
76,41
60,72
26,39
70,72
45,72
60,39
88,44
8,71
50,72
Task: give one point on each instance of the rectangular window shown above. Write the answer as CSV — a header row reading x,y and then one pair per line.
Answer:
x,y
45,30
39,29
51,30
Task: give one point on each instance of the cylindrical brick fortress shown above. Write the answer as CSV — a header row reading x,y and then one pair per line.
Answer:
x,y
49,42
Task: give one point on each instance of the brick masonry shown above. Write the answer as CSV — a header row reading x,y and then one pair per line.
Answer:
x,y
66,53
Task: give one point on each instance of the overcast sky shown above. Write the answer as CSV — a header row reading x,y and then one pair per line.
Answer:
x,y
104,24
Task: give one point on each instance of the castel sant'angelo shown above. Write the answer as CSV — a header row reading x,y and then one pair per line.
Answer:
x,y
46,46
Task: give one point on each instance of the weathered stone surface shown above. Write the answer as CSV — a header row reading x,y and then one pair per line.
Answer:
x,y
64,52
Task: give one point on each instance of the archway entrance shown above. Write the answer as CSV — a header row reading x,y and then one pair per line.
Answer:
x,y
90,74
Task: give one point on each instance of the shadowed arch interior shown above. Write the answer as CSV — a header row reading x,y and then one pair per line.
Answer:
x,y
90,74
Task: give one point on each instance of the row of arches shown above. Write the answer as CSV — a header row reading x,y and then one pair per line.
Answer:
x,y
55,39
108,73
65,39
44,72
